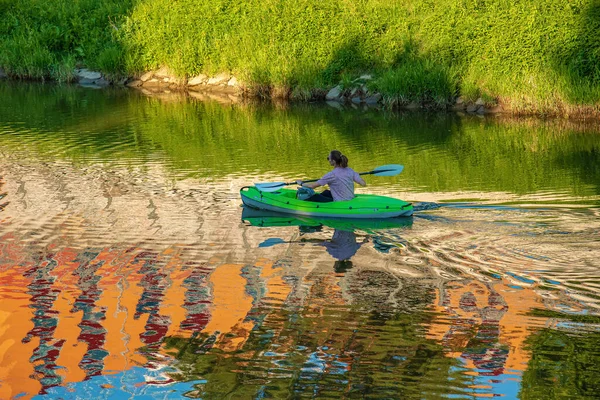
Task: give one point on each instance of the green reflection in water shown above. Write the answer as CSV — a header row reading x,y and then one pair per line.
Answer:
x,y
328,351
441,152
565,362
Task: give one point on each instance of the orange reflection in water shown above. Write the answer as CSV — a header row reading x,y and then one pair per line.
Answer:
x,y
16,368
230,305
67,315
485,324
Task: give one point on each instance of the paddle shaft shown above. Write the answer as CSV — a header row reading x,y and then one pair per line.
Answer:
x,y
362,173
385,170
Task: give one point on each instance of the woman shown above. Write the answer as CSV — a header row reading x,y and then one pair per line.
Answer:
x,y
340,180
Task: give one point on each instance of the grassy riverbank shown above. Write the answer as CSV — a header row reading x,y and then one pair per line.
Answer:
x,y
532,58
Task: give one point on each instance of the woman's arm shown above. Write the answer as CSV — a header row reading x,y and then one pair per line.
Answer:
x,y
312,185
360,180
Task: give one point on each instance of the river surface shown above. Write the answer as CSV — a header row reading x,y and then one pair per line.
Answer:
x,y
129,269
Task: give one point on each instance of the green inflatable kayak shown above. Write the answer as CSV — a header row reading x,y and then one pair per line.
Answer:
x,y
263,218
368,206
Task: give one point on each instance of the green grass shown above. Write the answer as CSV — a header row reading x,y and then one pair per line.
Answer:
x,y
48,39
578,318
423,82
541,58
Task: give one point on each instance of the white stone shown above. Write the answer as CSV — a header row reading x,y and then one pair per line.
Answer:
x,y
2,73
153,83
219,79
102,82
198,80
480,102
334,94
87,74
163,72
146,76
232,82
374,99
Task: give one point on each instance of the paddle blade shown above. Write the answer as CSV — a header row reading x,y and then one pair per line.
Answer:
x,y
269,186
388,170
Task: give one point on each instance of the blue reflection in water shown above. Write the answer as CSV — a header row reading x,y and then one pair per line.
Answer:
x,y
44,321
506,385
520,278
92,331
271,242
125,385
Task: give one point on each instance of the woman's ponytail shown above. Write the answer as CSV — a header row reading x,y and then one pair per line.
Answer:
x,y
339,159
343,161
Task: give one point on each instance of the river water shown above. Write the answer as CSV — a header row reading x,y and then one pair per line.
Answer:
x,y
129,269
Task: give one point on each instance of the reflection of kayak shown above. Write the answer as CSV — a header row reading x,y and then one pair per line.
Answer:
x,y
368,206
264,218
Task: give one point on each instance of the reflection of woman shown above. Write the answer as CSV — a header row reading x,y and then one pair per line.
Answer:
x,y
340,180
341,267
342,245
485,349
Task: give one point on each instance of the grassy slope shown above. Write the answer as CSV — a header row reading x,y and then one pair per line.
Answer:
x,y
542,57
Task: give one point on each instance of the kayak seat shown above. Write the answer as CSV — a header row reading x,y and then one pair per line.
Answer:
x,y
304,193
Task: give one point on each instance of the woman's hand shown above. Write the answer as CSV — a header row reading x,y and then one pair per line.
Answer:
x,y
299,182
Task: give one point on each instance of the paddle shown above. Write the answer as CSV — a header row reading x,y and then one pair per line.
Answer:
x,y
384,170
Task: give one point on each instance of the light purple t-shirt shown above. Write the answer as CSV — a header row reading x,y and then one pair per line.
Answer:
x,y
341,183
